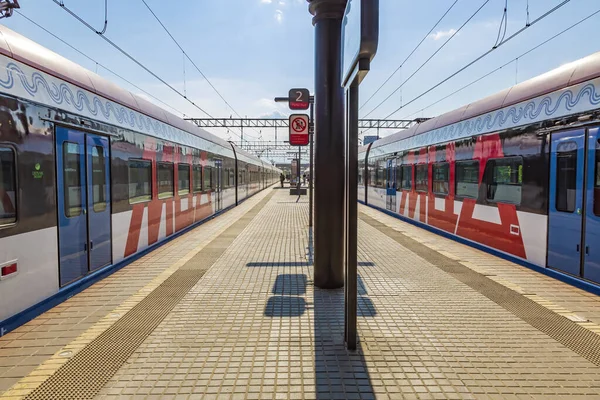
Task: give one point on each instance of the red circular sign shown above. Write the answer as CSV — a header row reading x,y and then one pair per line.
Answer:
x,y
299,125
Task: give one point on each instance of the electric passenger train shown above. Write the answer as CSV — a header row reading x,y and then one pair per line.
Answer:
x,y
92,176
517,173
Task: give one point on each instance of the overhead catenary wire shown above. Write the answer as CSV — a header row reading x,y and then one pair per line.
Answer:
x,y
410,54
191,61
98,64
514,35
503,23
429,59
516,59
126,54
103,31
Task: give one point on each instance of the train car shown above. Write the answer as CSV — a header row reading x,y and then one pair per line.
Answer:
x,y
517,173
93,176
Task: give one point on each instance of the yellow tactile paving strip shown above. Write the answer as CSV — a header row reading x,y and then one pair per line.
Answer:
x,y
254,327
570,334
28,358
576,304
86,372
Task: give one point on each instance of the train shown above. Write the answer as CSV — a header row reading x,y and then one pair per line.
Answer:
x,y
516,174
93,176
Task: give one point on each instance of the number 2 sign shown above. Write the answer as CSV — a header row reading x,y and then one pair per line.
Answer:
x,y
299,99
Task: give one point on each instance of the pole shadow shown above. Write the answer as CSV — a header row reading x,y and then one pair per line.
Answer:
x,y
278,264
339,373
290,284
285,306
286,303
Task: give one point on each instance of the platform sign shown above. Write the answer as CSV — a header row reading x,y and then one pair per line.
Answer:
x,y
299,99
360,35
299,129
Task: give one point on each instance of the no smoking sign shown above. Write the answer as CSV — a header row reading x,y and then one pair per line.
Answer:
x,y
298,129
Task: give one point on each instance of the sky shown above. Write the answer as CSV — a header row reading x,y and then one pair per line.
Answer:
x,y
254,50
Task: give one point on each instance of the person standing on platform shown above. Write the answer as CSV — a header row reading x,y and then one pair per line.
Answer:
x,y
282,178
304,179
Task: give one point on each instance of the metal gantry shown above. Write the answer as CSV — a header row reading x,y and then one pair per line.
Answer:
x,y
278,149
284,123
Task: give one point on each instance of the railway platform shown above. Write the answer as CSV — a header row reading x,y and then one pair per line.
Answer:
x,y
228,311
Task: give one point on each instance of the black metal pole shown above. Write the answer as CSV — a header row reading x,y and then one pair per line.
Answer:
x,y
329,151
351,215
299,169
311,132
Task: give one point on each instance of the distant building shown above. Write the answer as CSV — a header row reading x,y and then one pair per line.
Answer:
x,y
369,139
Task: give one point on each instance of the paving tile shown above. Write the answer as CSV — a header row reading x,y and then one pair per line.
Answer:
x,y
46,335
255,327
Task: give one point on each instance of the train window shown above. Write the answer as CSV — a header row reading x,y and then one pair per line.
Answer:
x,y
421,179
378,174
372,175
183,178
72,178
140,178
98,179
467,179
504,183
441,178
197,178
207,178
566,180
231,177
398,175
597,185
407,177
361,170
165,180
8,187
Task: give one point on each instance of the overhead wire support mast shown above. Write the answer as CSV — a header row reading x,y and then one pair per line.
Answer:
x,y
7,7
480,57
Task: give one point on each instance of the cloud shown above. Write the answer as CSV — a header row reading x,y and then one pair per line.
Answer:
x,y
274,114
279,15
442,34
266,1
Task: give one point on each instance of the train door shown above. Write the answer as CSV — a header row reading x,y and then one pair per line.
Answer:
x,y
218,185
574,217
83,165
591,267
391,185
566,201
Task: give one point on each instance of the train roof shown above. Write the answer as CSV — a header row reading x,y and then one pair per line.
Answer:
x,y
28,52
567,75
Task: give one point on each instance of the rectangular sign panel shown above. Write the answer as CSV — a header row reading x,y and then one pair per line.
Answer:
x,y
299,99
360,34
298,129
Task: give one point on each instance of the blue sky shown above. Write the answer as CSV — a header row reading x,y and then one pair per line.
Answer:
x,y
254,50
